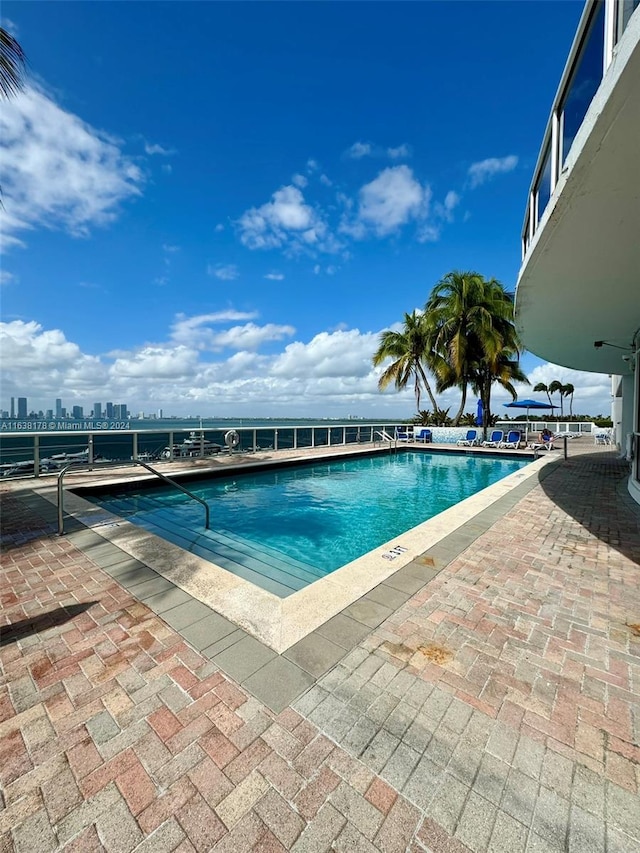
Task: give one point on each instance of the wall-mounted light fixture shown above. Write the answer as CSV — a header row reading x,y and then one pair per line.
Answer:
x,y
600,344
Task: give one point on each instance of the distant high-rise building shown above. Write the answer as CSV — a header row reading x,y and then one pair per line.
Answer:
x,y
109,410
49,415
120,411
22,407
160,413
77,413
97,410
13,407
58,407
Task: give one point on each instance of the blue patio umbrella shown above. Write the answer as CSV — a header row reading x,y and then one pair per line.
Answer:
x,y
479,414
528,405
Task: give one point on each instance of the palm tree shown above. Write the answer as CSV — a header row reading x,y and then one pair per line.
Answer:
x,y
542,387
568,390
473,337
12,65
410,351
556,388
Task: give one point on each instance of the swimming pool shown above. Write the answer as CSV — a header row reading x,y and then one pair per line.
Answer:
x,y
284,528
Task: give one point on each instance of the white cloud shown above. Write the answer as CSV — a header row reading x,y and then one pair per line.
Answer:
x,y
250,336
391,200
359,150
484,170
214,361
274,276
219,227
157,149
225,272
286,221
312,165
56,171
336,354
156,362
40,360
326,181
167,168
195,330
6,277
299,181
592,390
399,153
170,249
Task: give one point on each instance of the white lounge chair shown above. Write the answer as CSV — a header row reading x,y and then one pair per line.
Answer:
x,y
512,441
471,439
496,437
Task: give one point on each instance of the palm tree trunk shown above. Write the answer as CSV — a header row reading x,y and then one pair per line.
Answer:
x,y
463,403
427,388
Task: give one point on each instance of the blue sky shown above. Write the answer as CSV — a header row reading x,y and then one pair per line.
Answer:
x,y
216,208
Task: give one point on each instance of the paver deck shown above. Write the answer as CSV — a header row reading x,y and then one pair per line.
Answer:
x,y
488,701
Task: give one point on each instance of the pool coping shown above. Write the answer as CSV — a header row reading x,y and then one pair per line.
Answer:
x,y
277,678
277,622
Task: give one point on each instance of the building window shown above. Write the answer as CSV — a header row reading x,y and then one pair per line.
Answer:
x,y
625,10
542,189
585,79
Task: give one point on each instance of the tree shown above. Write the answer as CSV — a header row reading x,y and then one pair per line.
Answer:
x,y
556,388
12,65
542,387
568,390
409,350
473,337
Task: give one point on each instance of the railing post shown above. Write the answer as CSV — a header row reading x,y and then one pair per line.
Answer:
x,y
135,445
295,438
171,457
36,455
275,439
313,437
255,440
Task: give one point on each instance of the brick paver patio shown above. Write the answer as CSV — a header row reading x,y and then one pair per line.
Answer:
x,y
496,709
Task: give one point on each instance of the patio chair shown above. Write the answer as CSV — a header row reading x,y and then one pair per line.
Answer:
x,y
424,435
496,437
512,441
403,435
471,439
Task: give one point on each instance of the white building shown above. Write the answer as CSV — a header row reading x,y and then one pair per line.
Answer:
x,y
578,293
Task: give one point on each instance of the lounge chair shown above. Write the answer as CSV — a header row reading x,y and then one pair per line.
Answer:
x,y
471,439
512,441
403,435
424,435
496,437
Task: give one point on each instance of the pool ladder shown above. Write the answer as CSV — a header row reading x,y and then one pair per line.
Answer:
x,y
384,435
91,465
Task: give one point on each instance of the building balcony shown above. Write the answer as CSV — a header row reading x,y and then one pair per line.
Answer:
x,y
580,277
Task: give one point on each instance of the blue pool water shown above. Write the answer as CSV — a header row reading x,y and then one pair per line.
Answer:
x,y
284,528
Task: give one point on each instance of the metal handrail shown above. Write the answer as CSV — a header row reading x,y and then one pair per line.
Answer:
x,y
91,465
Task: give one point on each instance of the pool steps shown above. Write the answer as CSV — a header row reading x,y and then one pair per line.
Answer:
x,y
245,558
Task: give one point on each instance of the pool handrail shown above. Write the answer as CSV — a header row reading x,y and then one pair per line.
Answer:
x,y
109,464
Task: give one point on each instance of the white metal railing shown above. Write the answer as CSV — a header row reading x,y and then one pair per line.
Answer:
x,y
39,452
601,26
93,465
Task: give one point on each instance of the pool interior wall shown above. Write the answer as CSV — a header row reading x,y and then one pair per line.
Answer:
x,y
285,532
281,622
